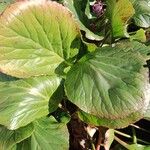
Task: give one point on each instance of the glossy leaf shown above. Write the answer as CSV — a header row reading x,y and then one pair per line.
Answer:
x,y
35,37
48,135
8,138
76,7
119,12
142,12
23,101
111,84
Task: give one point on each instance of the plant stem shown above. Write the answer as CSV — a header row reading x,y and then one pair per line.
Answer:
x,y
123,134
134,136
122,142
93,146
135,126
128,136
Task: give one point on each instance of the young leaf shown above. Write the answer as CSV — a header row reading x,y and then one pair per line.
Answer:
x,y
35,37
76,7
109,83
9,138
119,12
48,135
140,36
23,101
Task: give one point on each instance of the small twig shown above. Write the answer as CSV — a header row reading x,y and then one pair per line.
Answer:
x,y
122,142
135,126
123,134
130,137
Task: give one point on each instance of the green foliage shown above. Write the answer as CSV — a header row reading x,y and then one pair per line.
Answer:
x,y
119,12
9,138
142,12
79,9
48,135
51,53
33,41
23,101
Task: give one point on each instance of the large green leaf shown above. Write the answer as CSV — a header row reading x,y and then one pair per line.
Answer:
x,y
78,8
110,123
23,101
4,4
119,12
48,135
8,138
110,83
142,12
147,113
4,78
135,46
35,37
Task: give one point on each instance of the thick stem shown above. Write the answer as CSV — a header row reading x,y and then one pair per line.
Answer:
x,y
99,141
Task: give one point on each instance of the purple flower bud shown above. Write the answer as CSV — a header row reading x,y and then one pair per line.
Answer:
x,y
98,8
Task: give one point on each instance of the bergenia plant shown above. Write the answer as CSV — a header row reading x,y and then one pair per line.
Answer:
x,y
72,58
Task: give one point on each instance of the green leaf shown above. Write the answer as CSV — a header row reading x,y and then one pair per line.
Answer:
x,y
140,36
142,12
23,101
35,37
4,78
77,7
119,12
147,113
110,123
110,83
138,147
57,97
4,4
135,46
24,145
48,135
9,138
